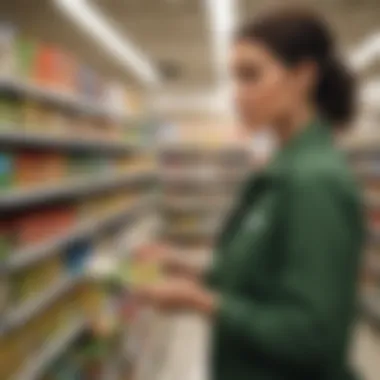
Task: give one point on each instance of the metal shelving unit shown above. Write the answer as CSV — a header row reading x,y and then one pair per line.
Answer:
x,y
364,154
15,201
30,255
21,199
35,366
19,315
60,99
21,139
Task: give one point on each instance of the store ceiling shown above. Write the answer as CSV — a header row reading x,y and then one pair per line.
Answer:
x,y
174,34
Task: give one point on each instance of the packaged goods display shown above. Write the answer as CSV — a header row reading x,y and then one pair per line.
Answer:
x,y
71,144
37,226
364,159
6,171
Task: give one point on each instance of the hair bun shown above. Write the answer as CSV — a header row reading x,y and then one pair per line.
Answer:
x,y
336,91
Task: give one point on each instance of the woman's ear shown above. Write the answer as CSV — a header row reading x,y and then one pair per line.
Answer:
x,y
306,77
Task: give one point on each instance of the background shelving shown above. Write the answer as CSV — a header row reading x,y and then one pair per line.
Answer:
x,y
76,175
364,156
198,185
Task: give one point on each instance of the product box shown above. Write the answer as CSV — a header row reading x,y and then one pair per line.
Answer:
x,y
10,113
8,35
86,82
4,294
6,171
85,127
39,169
76,257
34,280
10,354
66,72
26,53
37,226
32,116
46,67
7,239
82,165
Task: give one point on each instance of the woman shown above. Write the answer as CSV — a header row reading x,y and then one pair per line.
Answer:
x,y
281,290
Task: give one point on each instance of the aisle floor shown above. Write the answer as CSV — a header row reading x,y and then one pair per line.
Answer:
x,y
186,350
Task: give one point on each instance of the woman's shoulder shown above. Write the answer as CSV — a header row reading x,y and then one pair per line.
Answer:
x,y
323,168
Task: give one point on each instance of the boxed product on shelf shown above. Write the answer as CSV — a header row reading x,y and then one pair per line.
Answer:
x,y
7,239
93,298
10,112
11,357
4,294
38,226
87,82
76,257
108,131
32,118
46,65
17,53
39,169
7,163
61,314
7,49
31,282
43,119
66,72
26,51
32,338
84,126
129,164
88,164
105,205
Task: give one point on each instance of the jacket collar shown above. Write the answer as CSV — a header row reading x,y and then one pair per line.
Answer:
x,y
316,133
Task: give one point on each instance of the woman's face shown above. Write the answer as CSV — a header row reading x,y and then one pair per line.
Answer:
x,y
266,91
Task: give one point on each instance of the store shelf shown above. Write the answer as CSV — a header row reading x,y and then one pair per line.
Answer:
x,y
193,179
183,150
36,365
198,231
46,142
362,146
59,98
194,205
370,306
85,230
21,199
19,315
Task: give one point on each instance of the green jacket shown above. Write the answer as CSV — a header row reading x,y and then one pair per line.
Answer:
x,y
286,268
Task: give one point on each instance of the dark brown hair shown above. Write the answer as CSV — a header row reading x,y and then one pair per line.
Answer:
x,y
295,34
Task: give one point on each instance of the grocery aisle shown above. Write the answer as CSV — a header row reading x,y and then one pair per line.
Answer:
x,y
366,351
106,146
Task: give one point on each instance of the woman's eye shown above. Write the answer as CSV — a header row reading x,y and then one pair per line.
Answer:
x,y
246,74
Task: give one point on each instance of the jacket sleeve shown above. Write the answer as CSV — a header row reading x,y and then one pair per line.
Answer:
x,y
305,325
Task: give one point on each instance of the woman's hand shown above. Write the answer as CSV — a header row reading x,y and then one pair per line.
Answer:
x,y
157,251
168,259
178,293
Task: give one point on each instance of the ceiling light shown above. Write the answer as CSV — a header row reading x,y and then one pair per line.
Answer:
x,y
367,52
96,25
221,15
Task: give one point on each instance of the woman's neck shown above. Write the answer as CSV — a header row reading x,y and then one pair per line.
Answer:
x,y
287,129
